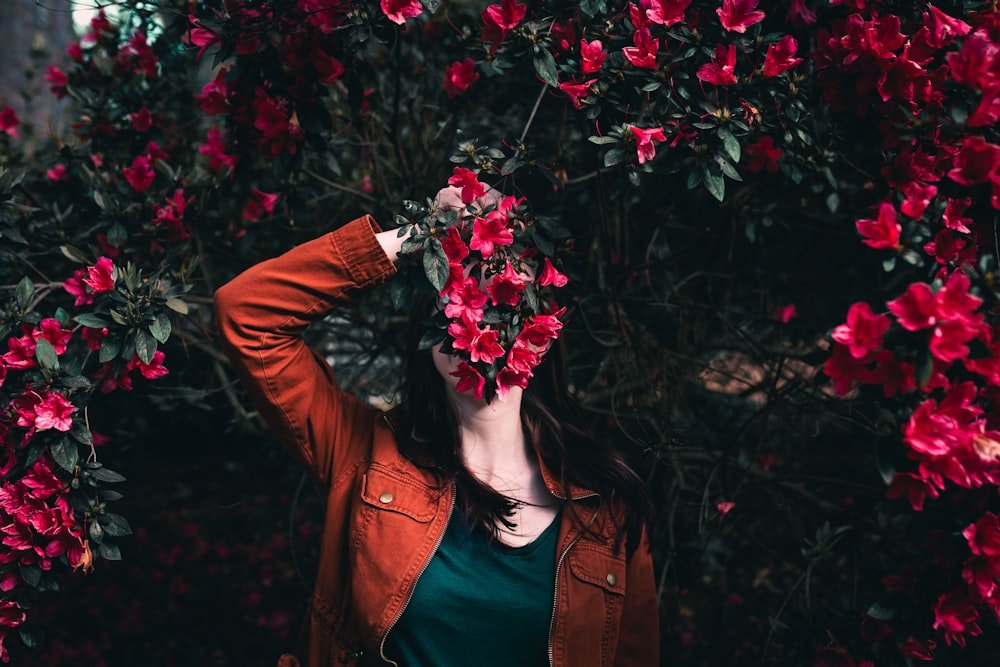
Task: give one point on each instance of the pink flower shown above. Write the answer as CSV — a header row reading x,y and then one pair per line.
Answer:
x,y
57,81
56,173
215,149
400,10
724,508
863,331
764,155
720,71
781,56
643,53
469,379
505,16
454,247
141,120
279,131
258,204
800,15
20,353
944,29
918,197
9,121
464,296
894,376
955,616
458,76
551,276
946,247
507,379
470,186
506,287
329,68
983,536
540,330
153,369
578,91
522,356
644,137
489,232
976,65
666,12
977,161
592,56
954,212
202,37
140,175
845,370
784,314
738,15
883,232
52,331
481,345
101,276
54,411
213,99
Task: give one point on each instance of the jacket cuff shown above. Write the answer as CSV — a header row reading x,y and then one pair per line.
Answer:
x,y
357,248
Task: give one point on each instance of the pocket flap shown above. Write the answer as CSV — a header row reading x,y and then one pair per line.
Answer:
x,y
600,568
394,492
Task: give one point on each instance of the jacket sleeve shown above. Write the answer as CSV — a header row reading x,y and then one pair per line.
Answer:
x,y
639,640
261,315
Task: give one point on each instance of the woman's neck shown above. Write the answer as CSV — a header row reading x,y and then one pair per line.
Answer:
x,y
492,438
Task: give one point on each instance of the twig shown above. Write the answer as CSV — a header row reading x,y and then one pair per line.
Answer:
x,y
338,186
534,110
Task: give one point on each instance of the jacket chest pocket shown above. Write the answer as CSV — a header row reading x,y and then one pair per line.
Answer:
x,y
597,581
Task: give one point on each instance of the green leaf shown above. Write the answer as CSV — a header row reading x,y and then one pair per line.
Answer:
x,y
64,451
436,264
694,178
177,305
92,320
881,611
117,235
545,66
31,574
75,382
730,144
114,525
160,328
109,551
728,169
82,434
25,290
145,345
46,355
400,291
30,635
111,347
103,474
99,200
924,370
431,338
592,8
603,140
615,156
715,184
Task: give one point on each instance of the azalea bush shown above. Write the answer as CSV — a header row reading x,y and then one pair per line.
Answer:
x,y
773,221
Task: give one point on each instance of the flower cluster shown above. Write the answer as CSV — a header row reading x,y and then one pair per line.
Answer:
x,y
494,286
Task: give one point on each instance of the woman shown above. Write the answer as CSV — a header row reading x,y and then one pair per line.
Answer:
x,y
456,532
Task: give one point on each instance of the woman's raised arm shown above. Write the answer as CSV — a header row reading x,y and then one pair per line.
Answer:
x,y
261,316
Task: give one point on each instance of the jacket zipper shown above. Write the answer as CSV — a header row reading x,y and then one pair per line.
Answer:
x,y
555,587
413,584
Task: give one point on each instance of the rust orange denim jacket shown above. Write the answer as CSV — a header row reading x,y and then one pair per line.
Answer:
x,y
384,516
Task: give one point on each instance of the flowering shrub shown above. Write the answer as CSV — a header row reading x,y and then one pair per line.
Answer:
x,y
778,215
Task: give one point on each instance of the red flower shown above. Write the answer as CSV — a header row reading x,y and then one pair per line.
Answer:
x,y
56,173
76,287
883,232
470,185
202,37
551,276
215,149
800,15
469,379
214,96
522,357
329,68
140,175
52,331
489,232
720,71
578,91
9,121
954,212
153,369
506,287
977,162
258,204
540,330
400,10
918,197
481,345
845,370
57,81
943,29
54,411
643,53
781,56
592,56
988,111
505,16
464,296
955,616
279,131
977,65
764,155
644,137
101,276
945,247
983,536
949,338
507,379
20,354
141,120
454,247
863,331
894,376
458,76
738,15
666,12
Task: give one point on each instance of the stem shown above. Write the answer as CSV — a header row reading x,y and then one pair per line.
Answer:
x,y
534,110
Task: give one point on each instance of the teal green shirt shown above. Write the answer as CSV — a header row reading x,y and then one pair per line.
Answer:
x,y
478,604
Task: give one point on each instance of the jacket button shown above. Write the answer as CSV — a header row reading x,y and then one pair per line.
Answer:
x,y
385,498
612,579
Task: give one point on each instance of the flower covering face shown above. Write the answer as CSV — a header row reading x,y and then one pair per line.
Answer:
x,y
496,317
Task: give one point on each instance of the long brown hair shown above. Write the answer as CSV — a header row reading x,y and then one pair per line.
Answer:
x,y
428,432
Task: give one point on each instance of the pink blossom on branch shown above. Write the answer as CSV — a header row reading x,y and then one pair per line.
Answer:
x,y
578,91
458,76
738,15
955,616
101,276
863,331
398,11
592,56
54,412
140,175
763,155
643,53
883,232
781,56
506,15
468,182
469,380
977,162
720,71
489,232
666,12
644,138
9,121
800,15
